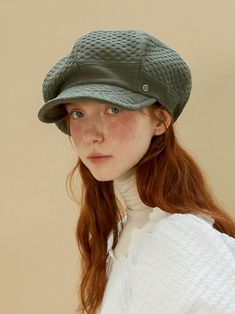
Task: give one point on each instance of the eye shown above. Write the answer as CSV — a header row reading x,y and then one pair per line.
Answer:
x,y
76,114
115,109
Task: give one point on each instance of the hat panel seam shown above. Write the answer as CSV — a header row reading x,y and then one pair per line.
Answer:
x,y
158,42
140,66
95,79
123,63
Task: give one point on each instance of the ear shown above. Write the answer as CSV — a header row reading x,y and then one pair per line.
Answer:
x,y
159,126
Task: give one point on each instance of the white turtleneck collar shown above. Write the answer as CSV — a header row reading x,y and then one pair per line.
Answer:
x,y
137,213
126,186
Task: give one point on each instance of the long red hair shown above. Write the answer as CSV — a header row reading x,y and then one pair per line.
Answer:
x,y
167,177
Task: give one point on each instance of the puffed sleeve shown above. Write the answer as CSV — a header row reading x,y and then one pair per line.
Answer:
x,y
182,266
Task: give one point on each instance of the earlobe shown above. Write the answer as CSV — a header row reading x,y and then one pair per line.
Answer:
x,y
162,115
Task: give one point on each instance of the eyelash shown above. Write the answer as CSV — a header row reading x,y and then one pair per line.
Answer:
x,y
72,113
75,111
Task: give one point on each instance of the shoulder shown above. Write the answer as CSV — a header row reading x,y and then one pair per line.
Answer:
x,y
175,221
185,228
187,235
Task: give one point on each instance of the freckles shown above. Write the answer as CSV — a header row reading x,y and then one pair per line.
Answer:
x,y
123,129
76,135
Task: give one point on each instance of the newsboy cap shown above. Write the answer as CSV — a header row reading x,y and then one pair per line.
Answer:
x,y
127,68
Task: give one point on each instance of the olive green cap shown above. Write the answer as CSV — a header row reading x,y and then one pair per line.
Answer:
x,y
128,68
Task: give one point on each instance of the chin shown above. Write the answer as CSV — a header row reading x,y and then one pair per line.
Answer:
x,y
109,176
102,177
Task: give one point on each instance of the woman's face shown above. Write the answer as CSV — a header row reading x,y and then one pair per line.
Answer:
x,y
100,128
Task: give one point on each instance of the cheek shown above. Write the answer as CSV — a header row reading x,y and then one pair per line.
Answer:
x,y
76,132
122,130
118,131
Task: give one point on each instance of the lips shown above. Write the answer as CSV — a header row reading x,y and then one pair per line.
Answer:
x,y
97,158
97,155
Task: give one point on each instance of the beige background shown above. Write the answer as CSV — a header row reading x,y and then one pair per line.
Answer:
x,y
38,272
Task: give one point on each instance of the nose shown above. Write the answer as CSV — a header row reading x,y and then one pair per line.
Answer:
x,y
93,131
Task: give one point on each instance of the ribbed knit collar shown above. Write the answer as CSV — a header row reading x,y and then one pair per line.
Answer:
x,y
126,186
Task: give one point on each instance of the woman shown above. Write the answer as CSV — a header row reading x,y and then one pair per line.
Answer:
x,y
152,238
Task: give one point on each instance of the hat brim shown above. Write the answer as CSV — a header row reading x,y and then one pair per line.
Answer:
x,y
54,110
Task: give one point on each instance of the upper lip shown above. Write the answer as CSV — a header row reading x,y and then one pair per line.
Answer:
x,y
97,155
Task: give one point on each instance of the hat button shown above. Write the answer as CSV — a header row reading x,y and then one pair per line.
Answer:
x,y
145,87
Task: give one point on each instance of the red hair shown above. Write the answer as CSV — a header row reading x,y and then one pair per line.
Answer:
x,y
167,177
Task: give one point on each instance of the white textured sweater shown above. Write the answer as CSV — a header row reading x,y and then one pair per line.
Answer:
x,y
168,263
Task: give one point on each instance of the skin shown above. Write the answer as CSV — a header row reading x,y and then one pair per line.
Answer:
x,y
103,128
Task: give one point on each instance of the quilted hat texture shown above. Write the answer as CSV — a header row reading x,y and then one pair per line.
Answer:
x,y
127,68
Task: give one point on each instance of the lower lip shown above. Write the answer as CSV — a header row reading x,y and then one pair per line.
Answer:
x,y
99,159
